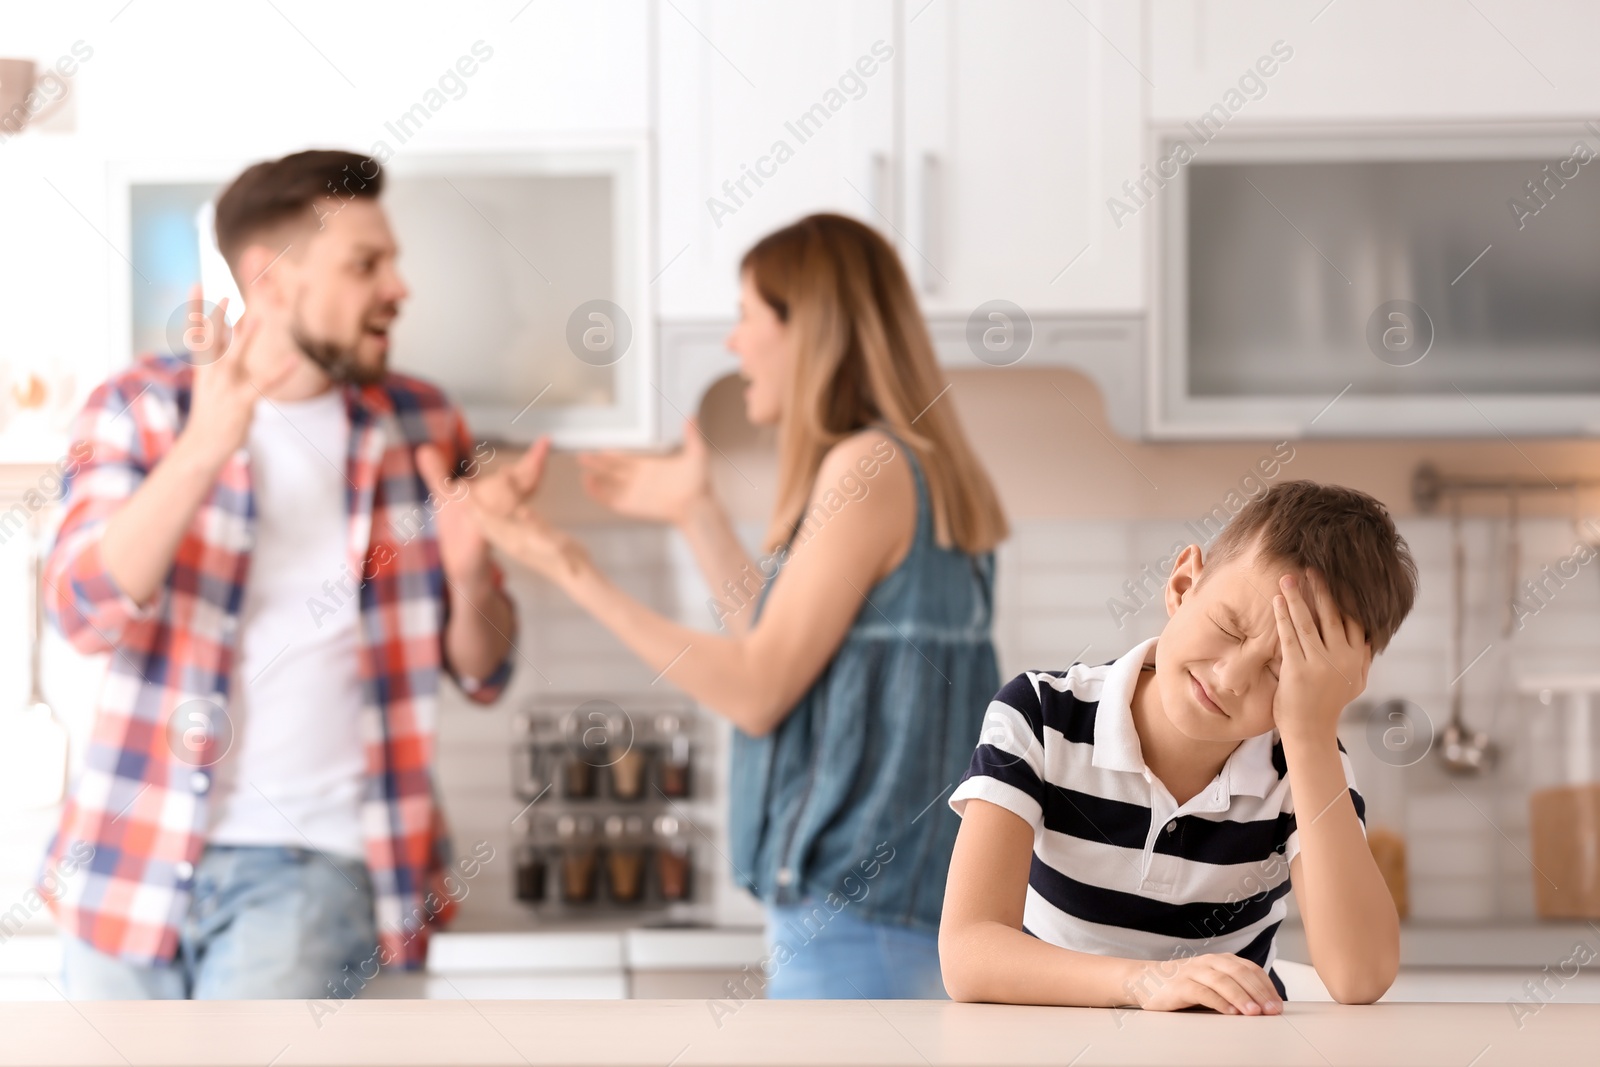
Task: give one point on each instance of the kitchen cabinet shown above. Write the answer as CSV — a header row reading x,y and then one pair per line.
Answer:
x,y
1342,212
1021,119
984,143
1377,60
982,139
765,113
542,239
1434,280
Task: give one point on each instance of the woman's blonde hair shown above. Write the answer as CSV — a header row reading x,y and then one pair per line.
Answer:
x,y
863,355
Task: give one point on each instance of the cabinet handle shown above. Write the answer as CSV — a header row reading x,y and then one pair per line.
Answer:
x,y
932,231
882,183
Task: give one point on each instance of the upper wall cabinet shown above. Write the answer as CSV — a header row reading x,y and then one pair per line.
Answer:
x,y
1021,122
1375,59
765,113
529,291
984,139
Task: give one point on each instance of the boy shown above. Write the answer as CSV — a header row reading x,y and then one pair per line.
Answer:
x,y
1129,831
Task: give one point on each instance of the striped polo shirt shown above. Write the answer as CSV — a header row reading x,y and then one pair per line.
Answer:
x,y
1119,867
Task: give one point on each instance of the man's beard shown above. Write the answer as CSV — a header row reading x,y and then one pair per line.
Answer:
x,y
340,362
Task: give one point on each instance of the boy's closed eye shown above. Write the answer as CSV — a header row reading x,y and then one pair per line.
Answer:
x,y
1232,628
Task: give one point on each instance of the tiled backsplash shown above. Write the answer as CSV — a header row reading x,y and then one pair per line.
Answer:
x,y
1467,838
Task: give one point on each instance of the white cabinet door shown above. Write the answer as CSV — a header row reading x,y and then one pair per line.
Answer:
x,y
1377,59
765,113
1022,118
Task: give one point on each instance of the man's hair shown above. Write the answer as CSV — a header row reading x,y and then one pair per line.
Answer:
x,y
282,192
1346,535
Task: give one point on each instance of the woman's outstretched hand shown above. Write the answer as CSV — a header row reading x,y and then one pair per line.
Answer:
x,y
527,537
499,513
464,503
653,487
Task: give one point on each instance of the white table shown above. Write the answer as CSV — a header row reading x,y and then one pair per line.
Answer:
x,y
681,1033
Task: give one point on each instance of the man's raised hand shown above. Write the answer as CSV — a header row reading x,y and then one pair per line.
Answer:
x,y
224,397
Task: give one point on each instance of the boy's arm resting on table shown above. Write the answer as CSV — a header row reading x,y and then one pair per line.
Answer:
x,y
1352,928
985,956
983,953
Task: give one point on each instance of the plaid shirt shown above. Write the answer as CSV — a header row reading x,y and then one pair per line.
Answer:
x,y
141,800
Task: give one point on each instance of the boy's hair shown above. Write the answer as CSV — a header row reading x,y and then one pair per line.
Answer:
x,y
1346,535
277,193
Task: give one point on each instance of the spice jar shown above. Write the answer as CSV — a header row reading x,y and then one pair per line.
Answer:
x,y
531,770
579,858
594,731
673,868
625,853
577,775
531,873
531,758
577,768
627,774
673,767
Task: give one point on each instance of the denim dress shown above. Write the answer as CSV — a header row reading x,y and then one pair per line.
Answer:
x,y
845,796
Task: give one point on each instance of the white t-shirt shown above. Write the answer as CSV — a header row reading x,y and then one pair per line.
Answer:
x,y
295,772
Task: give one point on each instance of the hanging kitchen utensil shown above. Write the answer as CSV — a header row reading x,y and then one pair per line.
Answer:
x,y
35,773
1464,751
1513,563
1505,656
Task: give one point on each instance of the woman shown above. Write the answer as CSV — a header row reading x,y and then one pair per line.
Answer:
x,y
856,661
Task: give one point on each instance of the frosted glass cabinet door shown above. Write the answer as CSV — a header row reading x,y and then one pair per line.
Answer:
x,y
529,302
1426,284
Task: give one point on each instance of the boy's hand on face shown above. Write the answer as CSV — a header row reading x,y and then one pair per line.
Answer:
x,y
1325,660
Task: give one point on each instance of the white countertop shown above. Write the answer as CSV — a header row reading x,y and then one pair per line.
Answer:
x,y
1498,945
683,1033
526,951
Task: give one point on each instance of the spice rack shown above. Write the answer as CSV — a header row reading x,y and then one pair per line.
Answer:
x,y
603,784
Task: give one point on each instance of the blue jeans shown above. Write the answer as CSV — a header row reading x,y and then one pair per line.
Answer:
x,y
836,956
264,922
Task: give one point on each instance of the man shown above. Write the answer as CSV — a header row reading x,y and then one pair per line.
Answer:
x,y
254,542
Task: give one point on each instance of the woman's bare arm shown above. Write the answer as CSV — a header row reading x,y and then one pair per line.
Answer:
x,y
754,679
732,576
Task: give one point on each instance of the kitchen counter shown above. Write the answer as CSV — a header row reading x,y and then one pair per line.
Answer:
x,y
1501,944
681,1033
